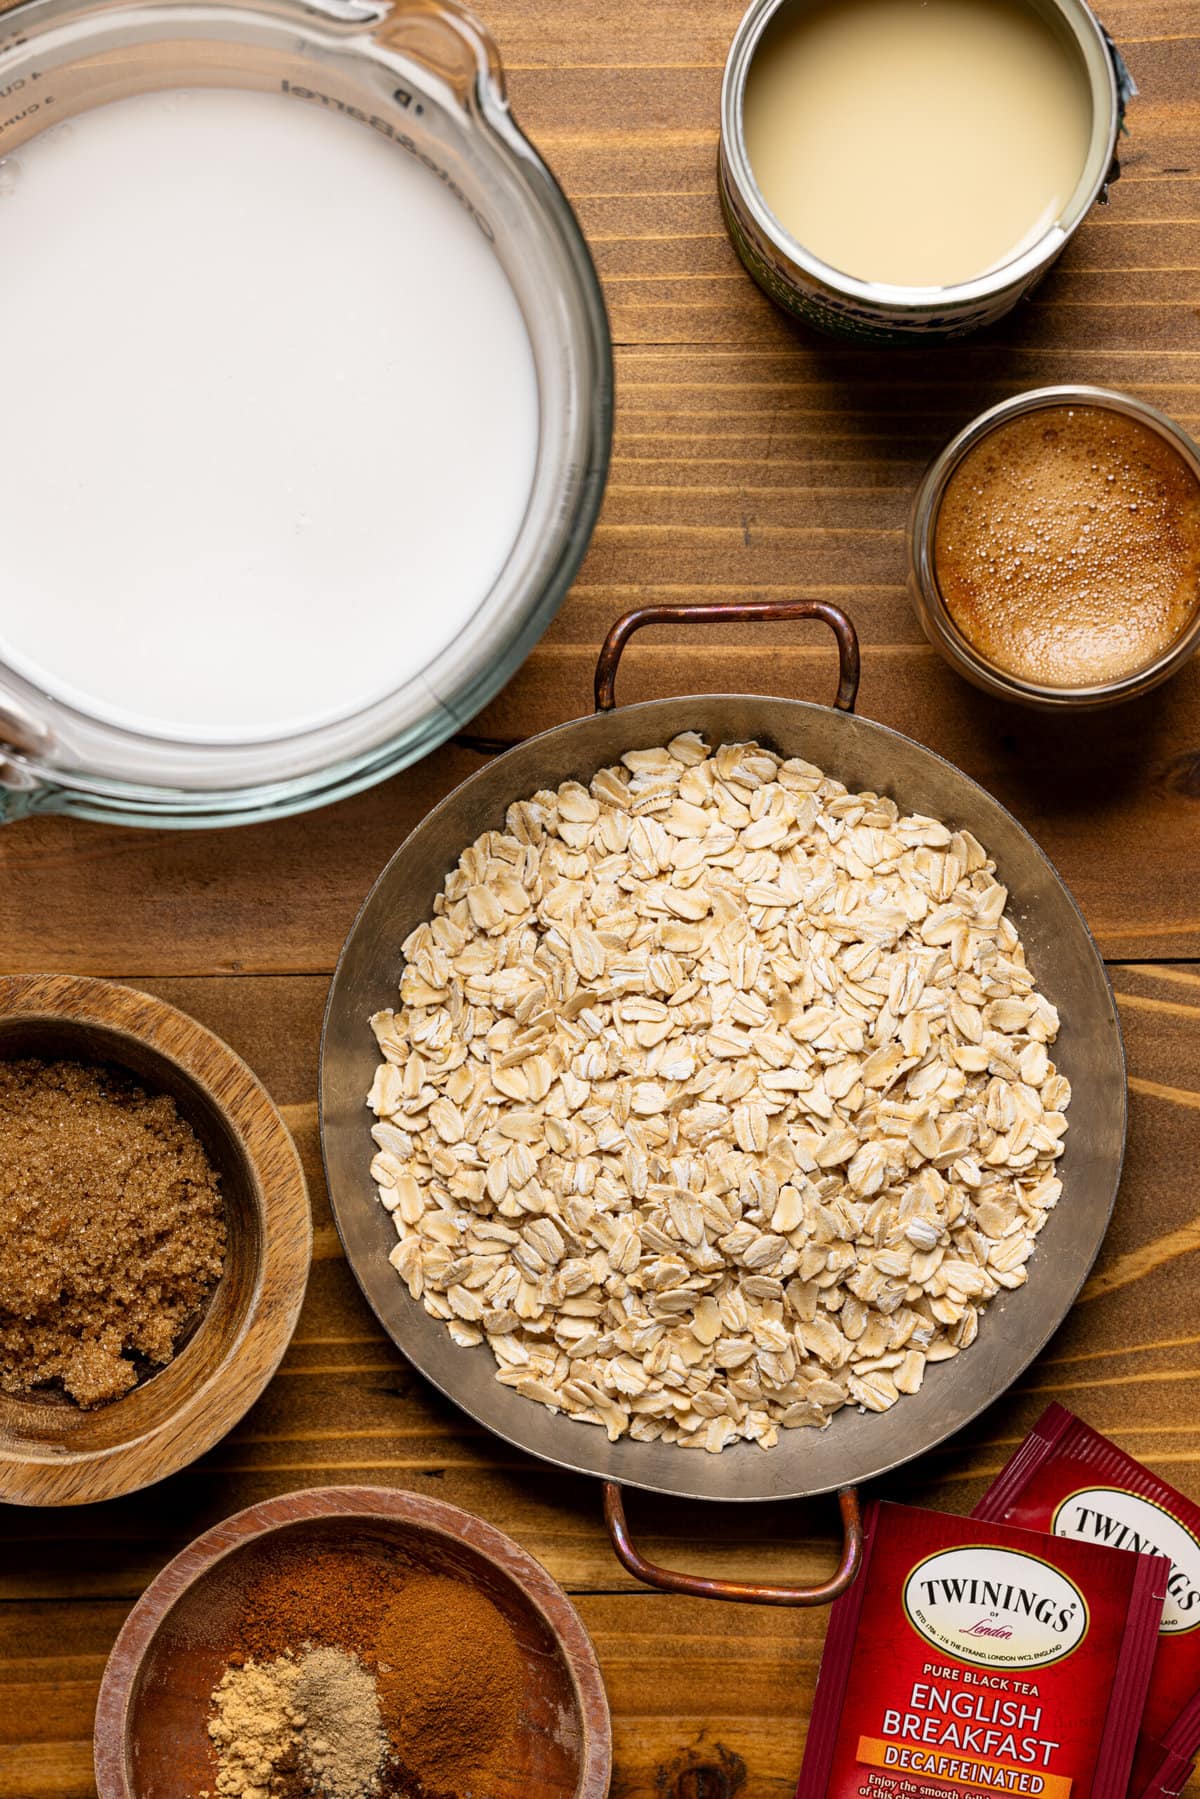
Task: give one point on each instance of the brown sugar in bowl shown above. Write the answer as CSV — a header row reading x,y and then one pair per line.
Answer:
x,y
51,1451
151,1739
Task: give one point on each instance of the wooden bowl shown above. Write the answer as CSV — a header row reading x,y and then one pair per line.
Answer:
x,y
51,1451
151,1738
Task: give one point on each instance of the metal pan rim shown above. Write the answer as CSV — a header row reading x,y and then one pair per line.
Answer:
x,y
867,1465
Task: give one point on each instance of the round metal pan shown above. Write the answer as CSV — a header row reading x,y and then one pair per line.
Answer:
x,y
856,1446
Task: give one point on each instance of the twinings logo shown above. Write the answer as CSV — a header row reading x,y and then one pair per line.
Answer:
x,y
1127,1521
997,1608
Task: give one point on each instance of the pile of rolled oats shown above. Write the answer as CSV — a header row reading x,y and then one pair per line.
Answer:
x,y
718,1097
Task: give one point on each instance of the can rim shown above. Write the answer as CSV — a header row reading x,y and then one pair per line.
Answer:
x,y
1107,106
935,614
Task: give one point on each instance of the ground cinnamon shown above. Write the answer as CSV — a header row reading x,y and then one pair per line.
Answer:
x,y
331,1596
449,1682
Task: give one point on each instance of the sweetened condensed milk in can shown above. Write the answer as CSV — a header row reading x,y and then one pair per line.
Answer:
x,y
899,167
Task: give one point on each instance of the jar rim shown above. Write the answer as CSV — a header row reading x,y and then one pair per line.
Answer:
x,y
935,615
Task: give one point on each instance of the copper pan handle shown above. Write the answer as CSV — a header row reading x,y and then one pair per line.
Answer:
x,y
733,612
672,1582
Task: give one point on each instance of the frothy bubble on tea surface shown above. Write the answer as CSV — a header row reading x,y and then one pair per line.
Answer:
x,y
1067,546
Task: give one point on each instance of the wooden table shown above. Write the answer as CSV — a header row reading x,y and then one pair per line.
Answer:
x,y
751,458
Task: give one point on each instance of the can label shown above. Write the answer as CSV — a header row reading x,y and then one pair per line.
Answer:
x,y
819,303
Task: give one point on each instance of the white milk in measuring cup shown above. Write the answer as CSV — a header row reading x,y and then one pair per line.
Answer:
x,y
306,397
270,408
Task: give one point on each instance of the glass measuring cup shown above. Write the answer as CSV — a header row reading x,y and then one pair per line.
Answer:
x,y
425,76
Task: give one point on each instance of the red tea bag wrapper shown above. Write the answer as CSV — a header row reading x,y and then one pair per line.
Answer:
x,y
972,1659
1068,1479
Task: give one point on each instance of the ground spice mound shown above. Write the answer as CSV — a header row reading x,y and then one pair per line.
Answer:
x,y
433,1657
253,1722
332,1596
112,1228
296,1726
449,1682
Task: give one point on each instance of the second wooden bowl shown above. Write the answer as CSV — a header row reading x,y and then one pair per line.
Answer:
x,y
152,1715
51,1451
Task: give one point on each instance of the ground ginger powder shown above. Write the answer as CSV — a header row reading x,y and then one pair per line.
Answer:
x,y
300,1724
112,1228
255,1720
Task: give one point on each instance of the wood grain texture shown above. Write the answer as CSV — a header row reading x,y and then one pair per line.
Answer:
x,y
693,1686
750,458
61,1455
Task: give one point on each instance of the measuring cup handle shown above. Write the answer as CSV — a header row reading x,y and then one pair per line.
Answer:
x,y
749,1592
732,612
446,39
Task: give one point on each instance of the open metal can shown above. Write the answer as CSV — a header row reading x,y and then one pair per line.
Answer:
x,y
847,306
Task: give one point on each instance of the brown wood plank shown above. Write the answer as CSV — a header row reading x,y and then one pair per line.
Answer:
x,y
693,1686
280,897
750,457
684,1696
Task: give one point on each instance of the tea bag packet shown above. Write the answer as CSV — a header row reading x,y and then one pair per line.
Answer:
x,y
974,1658
1068,1479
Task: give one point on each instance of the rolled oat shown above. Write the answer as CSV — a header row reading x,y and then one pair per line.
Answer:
x,y
717,1098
